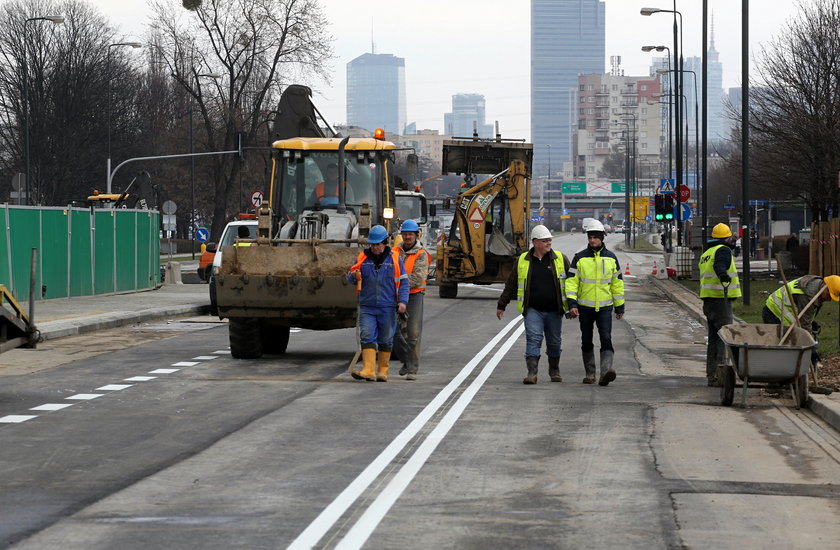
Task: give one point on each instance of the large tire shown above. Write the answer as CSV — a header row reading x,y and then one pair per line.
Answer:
x,y
275,338
448,290
214,307
727,389
244,336
802,394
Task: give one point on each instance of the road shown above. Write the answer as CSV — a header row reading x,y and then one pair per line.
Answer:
x,y
204,451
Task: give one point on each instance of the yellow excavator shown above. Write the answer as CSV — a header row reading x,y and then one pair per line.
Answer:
x,y
490,227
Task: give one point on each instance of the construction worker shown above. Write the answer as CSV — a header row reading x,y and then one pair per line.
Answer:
x,y
416,260
719,285
778,309
242,232
382,286
595,291
538,282
326,192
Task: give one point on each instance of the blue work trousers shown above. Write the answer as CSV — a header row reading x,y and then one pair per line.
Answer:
x,y
539,323
407,345
376,327
589,318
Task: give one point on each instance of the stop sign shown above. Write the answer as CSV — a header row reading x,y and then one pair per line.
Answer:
x,y
685,193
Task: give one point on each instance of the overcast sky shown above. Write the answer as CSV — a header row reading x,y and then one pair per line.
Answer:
x,y
483,46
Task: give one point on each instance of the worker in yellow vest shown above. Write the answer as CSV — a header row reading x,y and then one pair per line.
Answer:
x,y
719,285
778,309
407,340
538,283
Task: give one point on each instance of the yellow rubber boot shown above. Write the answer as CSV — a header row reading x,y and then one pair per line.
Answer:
x,y
382,367
368,363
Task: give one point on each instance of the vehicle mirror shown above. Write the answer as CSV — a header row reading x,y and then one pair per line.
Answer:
x,y
211,247
411,163
432,210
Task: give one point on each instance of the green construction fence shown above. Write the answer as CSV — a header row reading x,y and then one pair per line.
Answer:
x,y
80,251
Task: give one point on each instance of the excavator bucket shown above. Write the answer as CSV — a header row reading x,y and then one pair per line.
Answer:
x,y
484,156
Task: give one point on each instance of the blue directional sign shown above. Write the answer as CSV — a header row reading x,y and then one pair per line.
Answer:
x,y
757,203
202,234
730,206
648,218
537,219
686,212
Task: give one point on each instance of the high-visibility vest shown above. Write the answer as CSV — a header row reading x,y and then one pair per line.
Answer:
x,y
779,303
522,267
320,192
710,285
395,258
409,267
597,282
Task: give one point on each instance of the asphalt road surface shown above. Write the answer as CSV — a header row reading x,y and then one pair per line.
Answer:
x,y
154,437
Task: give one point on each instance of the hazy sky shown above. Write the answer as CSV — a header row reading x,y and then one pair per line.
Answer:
x,y
483,46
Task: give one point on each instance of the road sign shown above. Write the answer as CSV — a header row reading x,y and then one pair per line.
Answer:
x,y
564,212
730,206
666,186
168,220
256,199
202,234
648,218
758,203
169,207
686,212
574,187
685,193
538,219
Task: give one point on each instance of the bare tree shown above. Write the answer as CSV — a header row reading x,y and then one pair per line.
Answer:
x,y
232,59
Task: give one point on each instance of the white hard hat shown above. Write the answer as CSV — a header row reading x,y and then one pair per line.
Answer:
x,y
540,232
595,225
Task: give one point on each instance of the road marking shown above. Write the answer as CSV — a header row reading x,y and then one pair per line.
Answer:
x,y
17,418
204,357
222,351
51,407
333,512
114,387
163,371
374,514
185,364
483,287
140,378
85,396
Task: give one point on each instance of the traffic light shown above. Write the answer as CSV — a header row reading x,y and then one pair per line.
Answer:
x,y
659,207
669,207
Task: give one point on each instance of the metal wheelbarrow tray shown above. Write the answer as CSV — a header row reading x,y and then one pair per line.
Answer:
x,y
754,353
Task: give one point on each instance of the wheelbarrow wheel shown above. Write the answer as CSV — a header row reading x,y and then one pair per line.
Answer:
x,y
727,389
802,393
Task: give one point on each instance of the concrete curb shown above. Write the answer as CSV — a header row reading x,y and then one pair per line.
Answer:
x,y
51,330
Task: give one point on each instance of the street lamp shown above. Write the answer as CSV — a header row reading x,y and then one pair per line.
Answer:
x,y
678,62
634,117
108,78
56,19
627,179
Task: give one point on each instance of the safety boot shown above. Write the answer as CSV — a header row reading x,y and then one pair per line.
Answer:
x,y
532,363
607,372
589,366
382,367
554,369
368,364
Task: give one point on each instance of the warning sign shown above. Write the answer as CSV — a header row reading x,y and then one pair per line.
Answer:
x,y
476,215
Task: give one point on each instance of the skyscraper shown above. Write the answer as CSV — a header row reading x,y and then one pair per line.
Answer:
x,y
567,39
376,92
468,111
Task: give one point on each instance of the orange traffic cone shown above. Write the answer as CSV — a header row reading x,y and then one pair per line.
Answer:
x,y
627,269
655,270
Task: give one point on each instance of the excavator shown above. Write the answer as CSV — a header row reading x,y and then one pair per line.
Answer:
x,y
490,226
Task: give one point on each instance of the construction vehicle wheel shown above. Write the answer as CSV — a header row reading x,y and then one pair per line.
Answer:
x,y
448,290
214,308
274,338
244,336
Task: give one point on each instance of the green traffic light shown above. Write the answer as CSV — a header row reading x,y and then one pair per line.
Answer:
x,y
658,217
669,216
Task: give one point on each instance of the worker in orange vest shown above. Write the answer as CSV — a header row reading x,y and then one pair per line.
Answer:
x,y
416,260
326,192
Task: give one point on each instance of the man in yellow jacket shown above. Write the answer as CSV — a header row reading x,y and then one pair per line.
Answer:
x,y
594,292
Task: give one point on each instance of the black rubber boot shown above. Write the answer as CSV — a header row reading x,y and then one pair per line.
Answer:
x,y
589,366
554,369
532,363
607,372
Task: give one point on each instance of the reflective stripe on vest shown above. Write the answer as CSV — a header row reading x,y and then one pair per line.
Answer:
x,y
779,303
395,257
595,277
522,267
710,285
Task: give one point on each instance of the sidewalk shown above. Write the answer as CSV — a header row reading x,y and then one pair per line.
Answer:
x,y
826,407
69,316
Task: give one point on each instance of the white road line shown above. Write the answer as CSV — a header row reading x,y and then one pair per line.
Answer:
x,y
140,378
333,512
185,364
163,371
16,418
366,524
51,407
204,357
114,387
222,351
483,287
85,396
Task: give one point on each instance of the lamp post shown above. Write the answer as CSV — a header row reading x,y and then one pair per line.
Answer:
x,y
627,178
108,78
678,62
632,182
56,19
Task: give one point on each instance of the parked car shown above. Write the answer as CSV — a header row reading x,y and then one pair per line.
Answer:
x,y
619,228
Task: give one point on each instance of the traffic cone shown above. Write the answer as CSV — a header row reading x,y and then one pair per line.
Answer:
x,y
655,270
627,269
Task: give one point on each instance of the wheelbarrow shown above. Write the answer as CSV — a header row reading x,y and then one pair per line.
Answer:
x,y
755,354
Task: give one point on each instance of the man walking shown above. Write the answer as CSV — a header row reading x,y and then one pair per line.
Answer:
x,y
416,260
719,285
538,282
595,291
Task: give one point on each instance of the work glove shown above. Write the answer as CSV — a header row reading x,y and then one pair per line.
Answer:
x,y
724,278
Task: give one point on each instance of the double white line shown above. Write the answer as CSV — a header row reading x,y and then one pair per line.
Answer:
x,y
364,527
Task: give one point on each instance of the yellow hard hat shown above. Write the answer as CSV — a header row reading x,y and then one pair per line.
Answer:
x,y
721,231
833,284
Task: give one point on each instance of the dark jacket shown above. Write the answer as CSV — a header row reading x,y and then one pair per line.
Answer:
x,y
511,284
